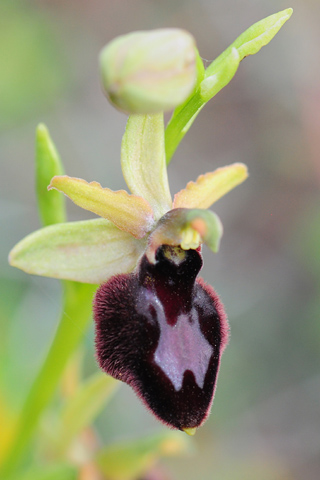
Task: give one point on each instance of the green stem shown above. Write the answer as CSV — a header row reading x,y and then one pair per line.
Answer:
x,y
75,317
180,123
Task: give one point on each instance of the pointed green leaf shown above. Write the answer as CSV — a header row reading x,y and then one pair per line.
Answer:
x,y
218,75
261,33
187,228
143,161
130,213
208,188
48,164
81,410
130,460
90,251
253,39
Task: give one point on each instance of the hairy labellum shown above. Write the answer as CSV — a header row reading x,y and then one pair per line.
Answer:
x,y
162,330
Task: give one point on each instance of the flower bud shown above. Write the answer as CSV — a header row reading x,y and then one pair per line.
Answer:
x,y
149,72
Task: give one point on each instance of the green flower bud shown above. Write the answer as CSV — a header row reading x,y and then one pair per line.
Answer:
x,y
149,72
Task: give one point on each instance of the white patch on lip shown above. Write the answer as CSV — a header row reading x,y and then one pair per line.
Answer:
x,y
181,346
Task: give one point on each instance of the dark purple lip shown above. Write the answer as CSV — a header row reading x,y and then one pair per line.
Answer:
x,y
162,330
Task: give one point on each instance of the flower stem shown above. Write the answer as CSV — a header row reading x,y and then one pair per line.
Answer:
x,y
75,315
180,123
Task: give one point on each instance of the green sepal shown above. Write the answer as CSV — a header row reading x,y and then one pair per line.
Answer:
x,y
48,164
89,251
143,161
130,460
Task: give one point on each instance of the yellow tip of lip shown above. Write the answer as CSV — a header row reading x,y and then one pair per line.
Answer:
x,y
190,431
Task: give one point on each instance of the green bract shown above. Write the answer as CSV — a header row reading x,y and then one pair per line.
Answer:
x,y
218,75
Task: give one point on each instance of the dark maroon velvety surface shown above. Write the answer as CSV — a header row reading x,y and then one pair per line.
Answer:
x,y
162,330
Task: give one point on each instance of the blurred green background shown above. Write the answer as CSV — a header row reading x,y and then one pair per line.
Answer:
x,y
265,421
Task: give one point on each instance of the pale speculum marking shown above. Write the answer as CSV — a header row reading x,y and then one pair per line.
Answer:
x,y
181,346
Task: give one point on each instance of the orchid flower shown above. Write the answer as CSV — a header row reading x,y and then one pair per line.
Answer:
x,y
159,327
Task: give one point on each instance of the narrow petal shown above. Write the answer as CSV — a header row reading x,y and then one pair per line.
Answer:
x,y
90,251
208,188
143,161
130,213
